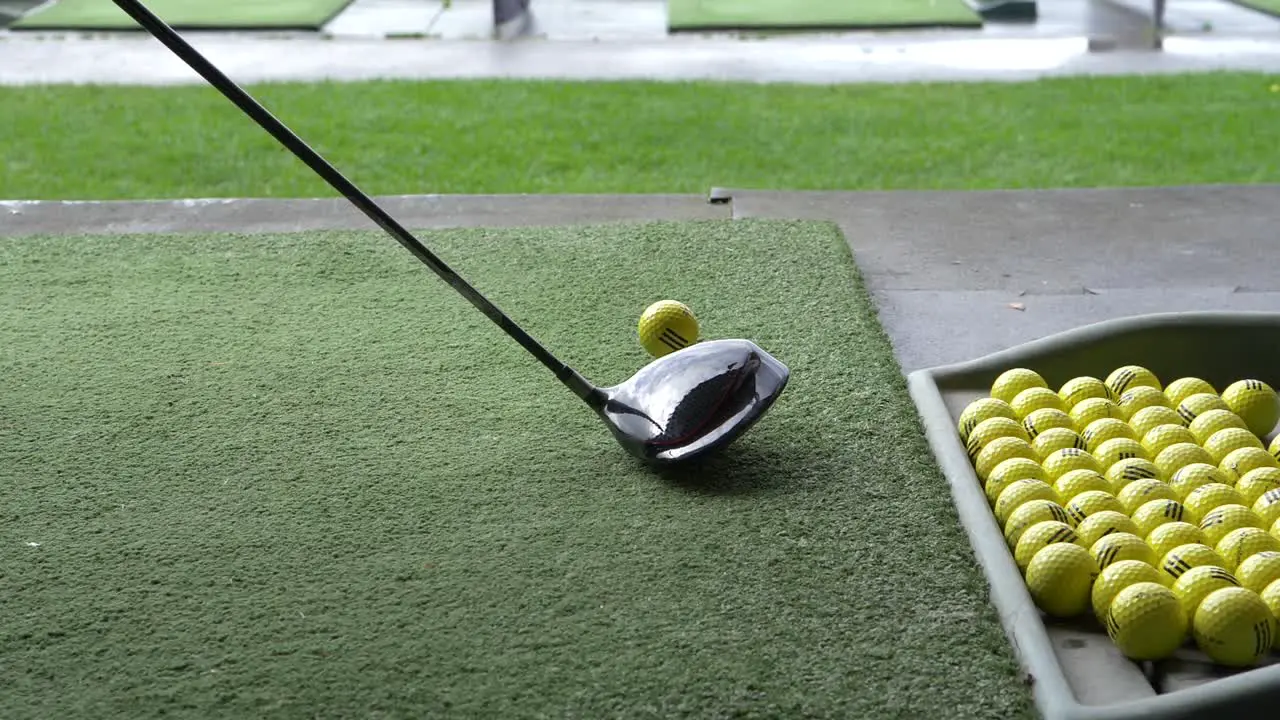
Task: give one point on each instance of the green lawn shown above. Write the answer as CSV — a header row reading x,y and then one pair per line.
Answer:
x,y
298,476
553,137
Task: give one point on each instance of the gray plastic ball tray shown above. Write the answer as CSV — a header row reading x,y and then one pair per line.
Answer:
x,y
1076,672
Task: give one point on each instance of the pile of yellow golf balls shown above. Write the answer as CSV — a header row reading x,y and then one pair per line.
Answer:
x,y
1153,508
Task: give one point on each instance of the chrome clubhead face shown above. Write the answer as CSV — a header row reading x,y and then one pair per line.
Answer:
x,y
693,401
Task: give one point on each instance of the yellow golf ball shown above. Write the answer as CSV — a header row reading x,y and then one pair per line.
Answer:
x,y
1185,387
1079,481
1090,409
991,429
1146,621
1130,376
999,450
1137,398
1055,439
1116,449
1271,596
1253,484
1122,546
1234,627
1009,472
1148,418
1009,383
983,409
1036,398
1170,535
1118,576
1104,429
1045,419
1208,423
1238,462
1268,507
1021,492
1223,519
1061,462
1084,387
1227,440
1259,570
1242,543
1162,436
1089,502
1126,471
1101,524
1195,405
1038,536
1196,584
667,326
1060,577
1207,497
1195,475
1274,447
1139,492
1184,557
1030,513
1255,402
1154,513
1179,455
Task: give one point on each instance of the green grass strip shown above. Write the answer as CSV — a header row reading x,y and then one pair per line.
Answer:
x,y
299,476
829,14
1269,7
556,137
202,14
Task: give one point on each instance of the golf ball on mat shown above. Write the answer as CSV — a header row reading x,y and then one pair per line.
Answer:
x,y
1085,387
1255,402
1104,429
1140,492
1036,398
1055,439
1020,492
1116,449
1242,543
991,429
1040,535
1253,484
1009,472
1173,534
1090,409
1238,462
667,326
1139,398
1207,497
1223,519
1162,436
1064,461
1268,507
1184,557
1122,546
1274,447
1227,440
1198,404
1030,513
1045,419
1124,472
1146,621
1271,596
1195,475
1234,627
1179,455
1080,481
1154,513
1000,450
1089,502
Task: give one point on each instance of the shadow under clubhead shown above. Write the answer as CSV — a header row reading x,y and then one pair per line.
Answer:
x,y
693,401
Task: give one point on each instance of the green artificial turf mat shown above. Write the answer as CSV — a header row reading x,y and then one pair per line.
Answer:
x,y
186,14
1268,7
500,136
300,476
818,14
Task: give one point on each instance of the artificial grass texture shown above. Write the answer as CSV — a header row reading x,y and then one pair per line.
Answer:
x,y
818,14
186,14
99,143
298,475
1268,7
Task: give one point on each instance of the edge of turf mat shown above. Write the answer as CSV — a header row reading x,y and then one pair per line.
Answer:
x,y
105,16
817,15
297,474
1217,346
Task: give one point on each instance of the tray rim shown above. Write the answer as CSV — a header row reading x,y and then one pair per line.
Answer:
x,y
1021,619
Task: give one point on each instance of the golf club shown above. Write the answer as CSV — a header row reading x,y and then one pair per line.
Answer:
x,y
678,407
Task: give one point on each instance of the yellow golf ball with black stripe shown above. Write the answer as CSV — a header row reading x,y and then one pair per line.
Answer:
x,y
667,326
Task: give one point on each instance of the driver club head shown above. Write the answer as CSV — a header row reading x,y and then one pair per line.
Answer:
x,y
691,402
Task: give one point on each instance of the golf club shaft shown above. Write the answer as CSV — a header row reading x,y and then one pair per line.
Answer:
x,y
170,38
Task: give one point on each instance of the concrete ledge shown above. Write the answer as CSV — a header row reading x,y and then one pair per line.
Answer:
x,y
254,215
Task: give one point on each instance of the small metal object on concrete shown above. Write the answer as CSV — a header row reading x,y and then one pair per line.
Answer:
x,y
1078,673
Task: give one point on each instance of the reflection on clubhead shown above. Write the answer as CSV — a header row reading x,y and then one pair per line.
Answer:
x,y
692,401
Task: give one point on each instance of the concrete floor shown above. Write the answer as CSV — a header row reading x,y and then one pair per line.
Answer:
x,y
955,274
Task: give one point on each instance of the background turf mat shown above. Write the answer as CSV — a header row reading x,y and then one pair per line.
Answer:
x,y
1269,7
229,14
784,14
299,476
